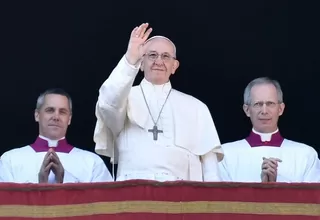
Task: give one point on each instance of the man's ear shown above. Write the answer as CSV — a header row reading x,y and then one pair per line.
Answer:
x,y
70,117
281,109
36,115
142,66
175,66
246,109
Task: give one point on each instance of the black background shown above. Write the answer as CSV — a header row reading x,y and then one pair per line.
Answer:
x,y
221,46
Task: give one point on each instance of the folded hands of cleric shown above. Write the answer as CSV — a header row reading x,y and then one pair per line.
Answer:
x,y
155,132
51,159
265,155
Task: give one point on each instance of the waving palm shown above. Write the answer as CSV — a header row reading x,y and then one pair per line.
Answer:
x,y
137,38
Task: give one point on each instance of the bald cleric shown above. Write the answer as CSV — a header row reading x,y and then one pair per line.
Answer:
x,y
153,131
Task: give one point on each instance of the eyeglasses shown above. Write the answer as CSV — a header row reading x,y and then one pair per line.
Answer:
x,y
259,105
153,56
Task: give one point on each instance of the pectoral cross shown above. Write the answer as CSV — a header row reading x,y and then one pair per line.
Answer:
x,y
155,132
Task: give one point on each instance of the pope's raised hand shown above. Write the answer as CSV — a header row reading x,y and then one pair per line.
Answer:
x,y
137,38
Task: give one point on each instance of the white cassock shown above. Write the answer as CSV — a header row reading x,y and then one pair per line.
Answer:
x,y
22,165
243,159
189,147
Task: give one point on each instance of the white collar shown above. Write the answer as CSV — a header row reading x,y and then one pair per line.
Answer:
x,y
265,136
148,86
51,143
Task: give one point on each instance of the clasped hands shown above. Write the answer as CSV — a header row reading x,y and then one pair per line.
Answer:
x,y
52,163
269,169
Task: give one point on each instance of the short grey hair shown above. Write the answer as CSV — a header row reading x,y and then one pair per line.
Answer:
x,y
259,81
55,91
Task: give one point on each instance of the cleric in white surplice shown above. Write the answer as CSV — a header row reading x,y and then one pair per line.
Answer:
x,y
51,159
265,155
158,133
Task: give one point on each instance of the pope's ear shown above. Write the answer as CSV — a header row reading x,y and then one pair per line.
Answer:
x,y
142,66
175,66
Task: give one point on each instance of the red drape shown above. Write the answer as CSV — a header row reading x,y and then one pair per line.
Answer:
x,y
154,201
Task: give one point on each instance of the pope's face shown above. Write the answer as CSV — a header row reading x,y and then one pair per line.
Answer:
x,y
159,61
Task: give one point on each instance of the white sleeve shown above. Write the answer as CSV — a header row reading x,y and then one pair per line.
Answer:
x,y
206,133
111,108
100,172
210,167
113,95
224,172
312,173
6,174
69,178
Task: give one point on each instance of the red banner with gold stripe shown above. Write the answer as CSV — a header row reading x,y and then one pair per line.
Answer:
x,y
149,200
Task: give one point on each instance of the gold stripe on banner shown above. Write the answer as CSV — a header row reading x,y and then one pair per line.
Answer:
x,y
159,207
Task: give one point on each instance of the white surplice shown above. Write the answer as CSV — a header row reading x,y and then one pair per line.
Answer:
x,y
189,147
22,165
242,162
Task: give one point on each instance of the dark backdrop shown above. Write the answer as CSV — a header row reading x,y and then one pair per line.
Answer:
x,y
222,45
